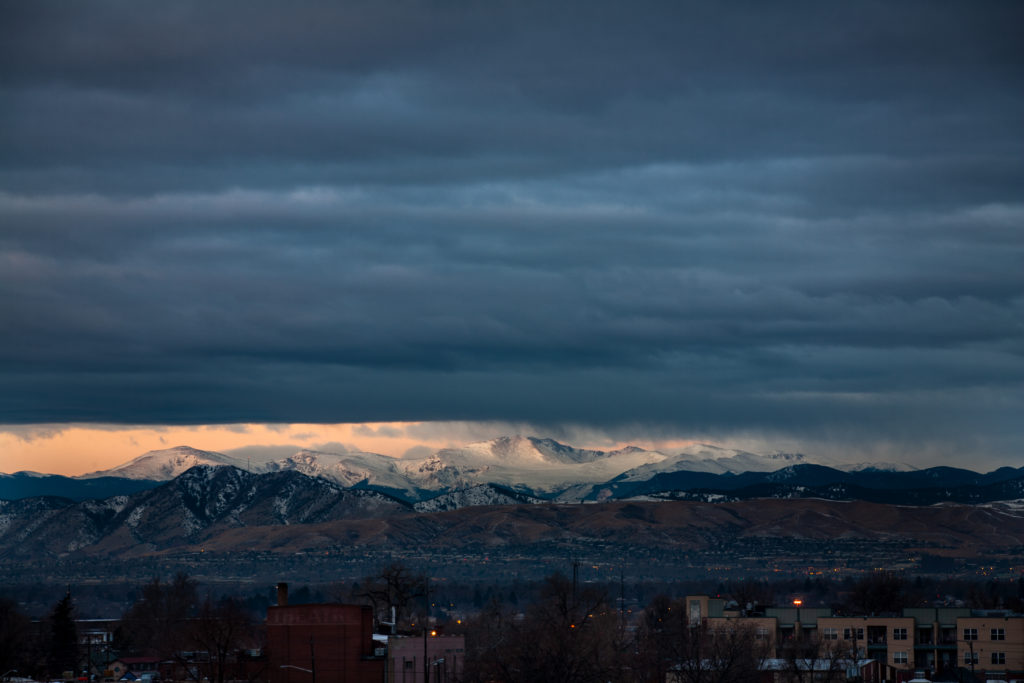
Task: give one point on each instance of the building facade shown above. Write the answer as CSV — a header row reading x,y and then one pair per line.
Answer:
x,y
444,657
322,644
937,641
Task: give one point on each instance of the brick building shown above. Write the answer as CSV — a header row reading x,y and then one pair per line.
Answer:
x,y
326,643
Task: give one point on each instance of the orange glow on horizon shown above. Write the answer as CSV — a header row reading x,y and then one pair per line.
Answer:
x,y
79,449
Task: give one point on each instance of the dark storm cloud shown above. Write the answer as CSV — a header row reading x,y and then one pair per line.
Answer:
x,y
799,219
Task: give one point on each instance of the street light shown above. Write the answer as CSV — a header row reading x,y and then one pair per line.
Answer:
x,y
312,663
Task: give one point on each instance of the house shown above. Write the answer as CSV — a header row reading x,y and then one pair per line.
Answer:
x,y
95,639
444,655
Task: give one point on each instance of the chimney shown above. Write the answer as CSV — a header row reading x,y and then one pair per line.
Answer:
x,y
282,594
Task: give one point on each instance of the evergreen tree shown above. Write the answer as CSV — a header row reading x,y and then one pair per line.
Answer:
x,y
63,651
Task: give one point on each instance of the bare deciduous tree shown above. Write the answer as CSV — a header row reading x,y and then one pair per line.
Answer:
x,y
813,660
394,586
221,630
157,623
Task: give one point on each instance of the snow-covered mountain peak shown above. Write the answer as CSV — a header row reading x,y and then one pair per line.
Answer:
x,y
306,461
165,464
504,449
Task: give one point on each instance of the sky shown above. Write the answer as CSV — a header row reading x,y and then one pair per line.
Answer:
x,y
783,226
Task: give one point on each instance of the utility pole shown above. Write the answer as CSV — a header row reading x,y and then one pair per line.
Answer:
x,y
856,655
312,660
622,601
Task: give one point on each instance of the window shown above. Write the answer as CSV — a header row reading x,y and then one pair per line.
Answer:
x,y
899,657
998,634
762,633
999,658
970,634
899,634
830,634
694,612
849,634
970,658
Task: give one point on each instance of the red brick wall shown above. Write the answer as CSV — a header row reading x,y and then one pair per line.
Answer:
x,y
342,644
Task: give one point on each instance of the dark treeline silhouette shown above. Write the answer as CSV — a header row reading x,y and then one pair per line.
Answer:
x,y
111,599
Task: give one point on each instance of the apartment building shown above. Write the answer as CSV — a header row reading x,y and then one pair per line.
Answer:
x,y
940,642
991,641
889,640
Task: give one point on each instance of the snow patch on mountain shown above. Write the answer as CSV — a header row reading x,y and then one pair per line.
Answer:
x,y
483,494
877,467
134,517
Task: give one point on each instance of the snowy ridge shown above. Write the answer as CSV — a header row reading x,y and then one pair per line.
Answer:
x,y
347,469
713,460
543,466
526,464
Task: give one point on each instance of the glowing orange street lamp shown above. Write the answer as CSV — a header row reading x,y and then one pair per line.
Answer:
x,y
797,602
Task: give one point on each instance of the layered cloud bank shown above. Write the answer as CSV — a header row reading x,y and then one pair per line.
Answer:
x,y
792,222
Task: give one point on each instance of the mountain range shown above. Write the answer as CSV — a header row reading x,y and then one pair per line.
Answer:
x,y
520,499
227,513
535,469
194,505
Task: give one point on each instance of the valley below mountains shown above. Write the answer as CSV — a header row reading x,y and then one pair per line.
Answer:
x,y
343,515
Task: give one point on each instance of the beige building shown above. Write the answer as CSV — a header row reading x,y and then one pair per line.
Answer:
x,y
992,641
936,641
886,639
